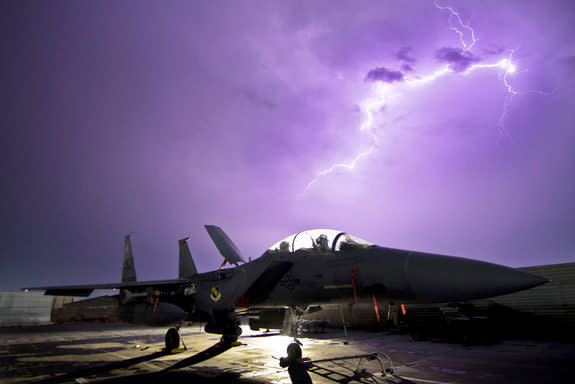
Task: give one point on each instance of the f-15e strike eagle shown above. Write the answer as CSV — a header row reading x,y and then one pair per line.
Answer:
x,y
309,268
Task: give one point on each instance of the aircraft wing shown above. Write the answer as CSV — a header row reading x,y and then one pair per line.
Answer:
x,y
86,290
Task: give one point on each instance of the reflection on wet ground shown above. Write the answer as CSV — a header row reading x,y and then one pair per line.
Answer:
x,y
118,353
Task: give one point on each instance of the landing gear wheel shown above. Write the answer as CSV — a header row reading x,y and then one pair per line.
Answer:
x,y
228,339
294,351
172,339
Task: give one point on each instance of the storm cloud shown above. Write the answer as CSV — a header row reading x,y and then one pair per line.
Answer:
x,y
384,75
406,67
141,123
403,55
458,59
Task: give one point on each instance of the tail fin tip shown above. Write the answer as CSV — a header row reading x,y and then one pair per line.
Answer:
x,y
128,268
187,267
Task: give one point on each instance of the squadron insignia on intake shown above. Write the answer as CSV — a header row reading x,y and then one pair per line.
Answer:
x,y
215,294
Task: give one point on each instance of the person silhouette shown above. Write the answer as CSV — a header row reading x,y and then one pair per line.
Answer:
x,y
296,366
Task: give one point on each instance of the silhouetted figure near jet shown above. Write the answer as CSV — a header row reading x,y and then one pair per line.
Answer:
x,y
296,365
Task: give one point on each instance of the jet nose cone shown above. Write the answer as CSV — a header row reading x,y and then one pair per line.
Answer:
x,y
437,278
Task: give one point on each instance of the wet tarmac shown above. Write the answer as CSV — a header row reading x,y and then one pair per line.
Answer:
x,y
120,353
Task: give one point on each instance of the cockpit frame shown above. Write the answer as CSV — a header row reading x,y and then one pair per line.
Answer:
x,y
320,240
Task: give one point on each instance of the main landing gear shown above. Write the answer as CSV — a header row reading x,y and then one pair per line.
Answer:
x,y
172,339
229,339
230,336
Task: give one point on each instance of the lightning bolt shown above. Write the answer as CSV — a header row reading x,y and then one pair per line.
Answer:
x,y
336,166
459,27
382,92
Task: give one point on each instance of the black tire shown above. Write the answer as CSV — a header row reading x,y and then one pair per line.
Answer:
x,y
294,351
172,339
228,339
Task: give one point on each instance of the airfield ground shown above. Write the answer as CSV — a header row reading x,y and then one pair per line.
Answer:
x,y
119,353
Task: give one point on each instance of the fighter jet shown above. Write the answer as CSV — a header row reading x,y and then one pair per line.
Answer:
x,y
306,269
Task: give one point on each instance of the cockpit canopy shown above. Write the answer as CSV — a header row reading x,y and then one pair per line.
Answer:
x,y
319,240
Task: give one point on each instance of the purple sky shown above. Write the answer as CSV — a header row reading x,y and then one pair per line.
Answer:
x,y
159,117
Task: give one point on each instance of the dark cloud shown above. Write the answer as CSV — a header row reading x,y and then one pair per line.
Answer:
x,y
255,98
458,59
403,55
383,74
406,67
493,51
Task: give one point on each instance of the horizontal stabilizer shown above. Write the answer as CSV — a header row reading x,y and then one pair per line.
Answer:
x,y
187,265
226,247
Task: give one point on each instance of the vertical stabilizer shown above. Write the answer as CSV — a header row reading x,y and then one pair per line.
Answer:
x,y
225,245
128,269
187,265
